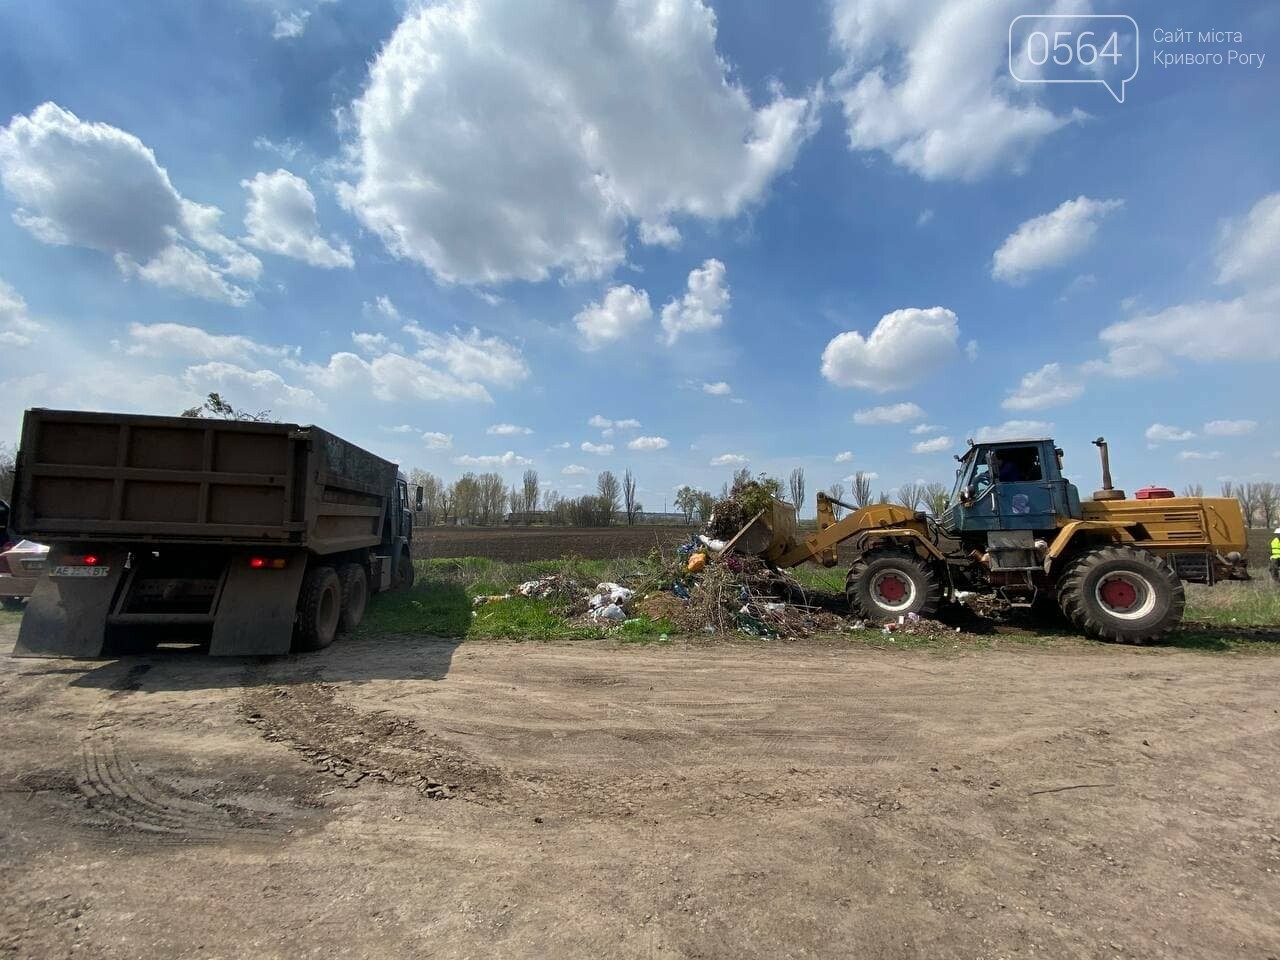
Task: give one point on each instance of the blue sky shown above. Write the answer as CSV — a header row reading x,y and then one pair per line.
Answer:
x,y
458,233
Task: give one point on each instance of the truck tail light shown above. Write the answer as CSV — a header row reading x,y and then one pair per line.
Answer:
x,y
267,563
81,560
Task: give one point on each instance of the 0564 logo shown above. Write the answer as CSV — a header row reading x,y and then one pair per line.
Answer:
x,y
1074,48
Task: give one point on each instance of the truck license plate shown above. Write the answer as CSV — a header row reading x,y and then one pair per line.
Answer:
x,y
81,571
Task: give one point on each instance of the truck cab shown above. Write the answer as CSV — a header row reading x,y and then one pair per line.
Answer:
x,y
1010,485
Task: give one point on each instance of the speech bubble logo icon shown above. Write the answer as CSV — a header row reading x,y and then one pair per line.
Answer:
x,y
1074,48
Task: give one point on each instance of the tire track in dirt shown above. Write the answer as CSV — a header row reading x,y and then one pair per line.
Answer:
x,y
126,801
353,745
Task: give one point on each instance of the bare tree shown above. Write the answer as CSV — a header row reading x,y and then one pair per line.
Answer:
x,y
883,497
1193,490
8,468
529,489
836,492
430,486
797,489
1268,503
630,504
492,497
515,502
1247,494
861,492
911,495
1228,488
608,491
936,498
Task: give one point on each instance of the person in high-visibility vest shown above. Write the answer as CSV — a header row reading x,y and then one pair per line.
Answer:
x,y
1275,556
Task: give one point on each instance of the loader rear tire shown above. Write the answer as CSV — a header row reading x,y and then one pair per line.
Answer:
x,y
319,609
887,584
1121,594
355,596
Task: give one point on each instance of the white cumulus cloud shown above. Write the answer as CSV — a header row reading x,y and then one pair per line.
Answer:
x,y
844,456
264,386
648,443
623,312
1013,430
1200,455
717,389
17,329
927,83
1163,433
1230,428
1046,387
575,470
184,340
728,460
508,459
920,428
1206,331
507,430
905,347
434,440
1249,247
280,218
934,445
1050,240
500,140
889,413
96,186
599,449
702,306
471,355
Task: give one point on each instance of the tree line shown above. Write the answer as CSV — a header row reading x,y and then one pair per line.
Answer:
x,y
485,499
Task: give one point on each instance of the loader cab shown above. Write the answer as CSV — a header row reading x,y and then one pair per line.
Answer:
x,y
1010,485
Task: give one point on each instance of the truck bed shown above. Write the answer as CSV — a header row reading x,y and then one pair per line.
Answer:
x,y
119,477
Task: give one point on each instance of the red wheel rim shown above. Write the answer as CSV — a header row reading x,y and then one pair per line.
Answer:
x,y
892,588
1118,593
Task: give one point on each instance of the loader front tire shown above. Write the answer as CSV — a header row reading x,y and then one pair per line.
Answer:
x,y
355,595
319,609
887,584
1121,594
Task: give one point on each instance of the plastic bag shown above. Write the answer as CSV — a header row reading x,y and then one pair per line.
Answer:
x,y
609,612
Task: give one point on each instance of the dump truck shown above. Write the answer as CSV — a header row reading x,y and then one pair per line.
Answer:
x,y
1016,528
248,537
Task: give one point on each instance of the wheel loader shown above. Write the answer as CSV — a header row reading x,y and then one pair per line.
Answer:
x,y
1016,528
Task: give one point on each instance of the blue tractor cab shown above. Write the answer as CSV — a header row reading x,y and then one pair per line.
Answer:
x,y
1010,485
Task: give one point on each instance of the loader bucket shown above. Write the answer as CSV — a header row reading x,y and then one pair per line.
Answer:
x,y
768,535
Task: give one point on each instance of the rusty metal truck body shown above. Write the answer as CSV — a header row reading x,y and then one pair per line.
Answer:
x,y
214,531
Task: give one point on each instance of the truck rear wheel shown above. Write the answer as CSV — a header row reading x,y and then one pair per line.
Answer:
x,y
404,571
1122,594
886,584
319,609
355,595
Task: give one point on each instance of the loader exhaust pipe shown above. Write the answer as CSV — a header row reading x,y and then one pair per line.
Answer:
x,y
1108,491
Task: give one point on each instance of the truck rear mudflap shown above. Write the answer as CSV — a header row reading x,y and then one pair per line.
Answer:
x,y
99,601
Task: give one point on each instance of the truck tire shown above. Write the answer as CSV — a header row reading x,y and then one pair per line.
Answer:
x,y
1122,594
355,595
404,572
887,584
319,609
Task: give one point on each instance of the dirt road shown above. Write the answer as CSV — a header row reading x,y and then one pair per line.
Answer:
x,y
408,798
